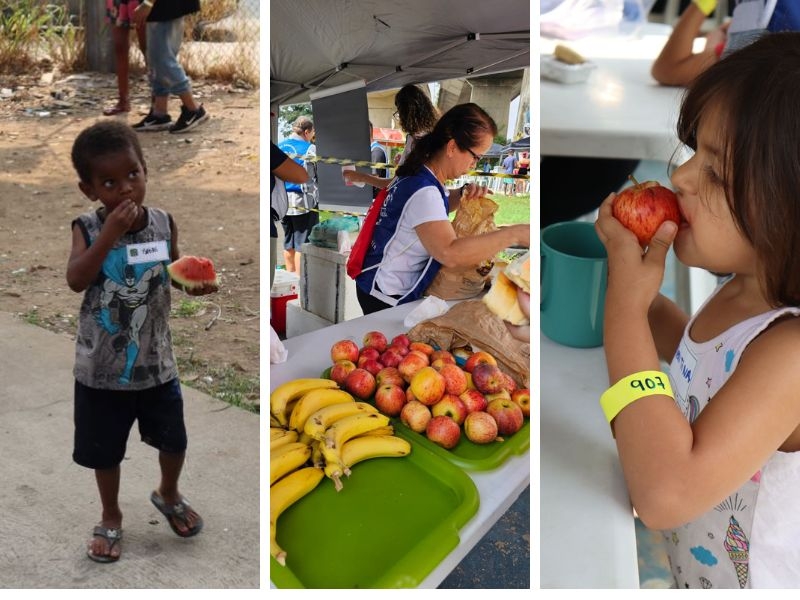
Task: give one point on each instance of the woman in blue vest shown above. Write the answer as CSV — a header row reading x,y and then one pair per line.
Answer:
x,y
413,235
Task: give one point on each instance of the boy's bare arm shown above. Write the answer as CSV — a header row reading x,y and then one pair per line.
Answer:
x,y
85,262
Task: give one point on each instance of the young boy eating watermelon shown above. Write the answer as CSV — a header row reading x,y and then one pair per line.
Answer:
x,y
124,365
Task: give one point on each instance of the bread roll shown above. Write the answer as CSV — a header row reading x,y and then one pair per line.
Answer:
x,y
519,271
502,301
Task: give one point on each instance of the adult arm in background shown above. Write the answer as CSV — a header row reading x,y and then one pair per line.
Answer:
x,y
368,178
287,169
677,64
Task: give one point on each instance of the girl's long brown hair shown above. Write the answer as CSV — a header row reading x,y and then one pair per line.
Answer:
x,y
757,91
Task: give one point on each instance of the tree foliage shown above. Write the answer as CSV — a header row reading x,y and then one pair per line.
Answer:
x,y
289,113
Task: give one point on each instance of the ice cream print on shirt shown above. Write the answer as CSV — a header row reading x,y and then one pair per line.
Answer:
x,y
720,555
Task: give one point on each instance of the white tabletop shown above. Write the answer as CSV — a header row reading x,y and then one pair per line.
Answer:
x,y
309,355
588,537
620,111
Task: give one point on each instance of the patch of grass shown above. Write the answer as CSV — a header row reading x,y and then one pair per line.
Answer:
x,y
188,308
29,27
513,209
32,317
227,383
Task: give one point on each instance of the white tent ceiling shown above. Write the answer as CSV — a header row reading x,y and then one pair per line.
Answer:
x,y
319,44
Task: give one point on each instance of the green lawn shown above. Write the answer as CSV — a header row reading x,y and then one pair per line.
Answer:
x,y
513,209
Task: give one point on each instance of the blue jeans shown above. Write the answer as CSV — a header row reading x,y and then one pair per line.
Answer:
x,y
166,73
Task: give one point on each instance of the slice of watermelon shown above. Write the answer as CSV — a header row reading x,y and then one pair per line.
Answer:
x,y
193,272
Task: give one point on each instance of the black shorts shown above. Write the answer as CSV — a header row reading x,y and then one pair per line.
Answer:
x,y
297,228
103,420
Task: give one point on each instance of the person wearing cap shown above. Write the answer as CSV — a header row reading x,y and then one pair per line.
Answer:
x,y
299,219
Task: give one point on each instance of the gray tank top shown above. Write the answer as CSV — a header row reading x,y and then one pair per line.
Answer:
x,y
124,341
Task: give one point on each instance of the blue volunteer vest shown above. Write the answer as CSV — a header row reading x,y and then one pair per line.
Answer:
x,y
299,147
385,228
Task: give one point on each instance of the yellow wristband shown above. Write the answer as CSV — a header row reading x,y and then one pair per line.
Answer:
x,y
706,6
631,388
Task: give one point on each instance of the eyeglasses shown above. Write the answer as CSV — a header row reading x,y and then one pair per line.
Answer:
x,y
396,114
477,157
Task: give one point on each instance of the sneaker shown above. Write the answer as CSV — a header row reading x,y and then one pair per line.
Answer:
x,y
189,119
153,123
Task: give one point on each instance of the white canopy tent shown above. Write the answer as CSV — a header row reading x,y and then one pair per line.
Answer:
x,y
320,44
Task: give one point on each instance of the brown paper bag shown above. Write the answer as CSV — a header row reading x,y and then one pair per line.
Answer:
x,y
473,217
471,323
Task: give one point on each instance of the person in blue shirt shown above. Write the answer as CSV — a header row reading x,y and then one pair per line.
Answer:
x,y
299,220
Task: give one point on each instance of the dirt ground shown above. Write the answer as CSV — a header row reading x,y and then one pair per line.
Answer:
x,y
208,179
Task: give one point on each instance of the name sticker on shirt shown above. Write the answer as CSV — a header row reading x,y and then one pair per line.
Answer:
x,y
147,252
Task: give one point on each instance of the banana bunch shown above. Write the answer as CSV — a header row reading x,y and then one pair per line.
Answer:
x,y
318,430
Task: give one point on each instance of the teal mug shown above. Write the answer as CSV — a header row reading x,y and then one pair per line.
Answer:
x,y
574,273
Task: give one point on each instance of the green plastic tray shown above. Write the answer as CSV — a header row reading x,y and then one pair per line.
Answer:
x,y
476,457
394,520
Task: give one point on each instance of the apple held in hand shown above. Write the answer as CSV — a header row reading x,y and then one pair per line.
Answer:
x,y
643,207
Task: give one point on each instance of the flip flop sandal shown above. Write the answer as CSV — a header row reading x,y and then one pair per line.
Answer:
x,y
176,512
112,536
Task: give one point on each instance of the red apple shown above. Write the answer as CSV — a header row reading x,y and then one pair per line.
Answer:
x,y
509,384
341,369
450,406
427,385
401,339
344,350
410,395
375,339
422,355
443,431
373,366
399,348
480,427
390,375
470,383
391,357
455,378
643,207
390,399
488,379
522,398
369,352
507,414
444,355
360,383
415,415
502,394
477,358
473,400
410,364
422,347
